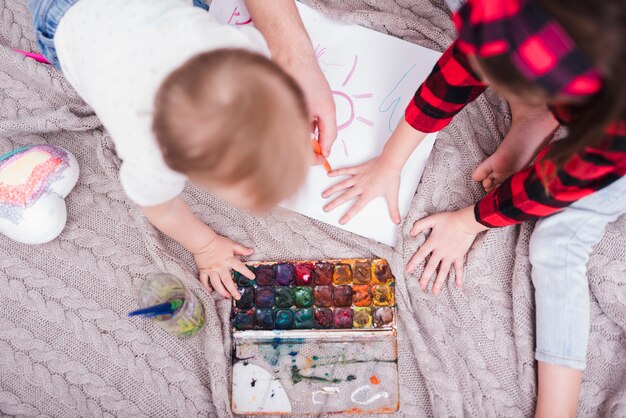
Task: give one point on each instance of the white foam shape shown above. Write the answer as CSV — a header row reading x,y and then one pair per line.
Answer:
x,y
256,390
43,219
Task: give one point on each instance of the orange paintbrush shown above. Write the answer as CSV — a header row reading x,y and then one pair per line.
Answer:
x,y
318,150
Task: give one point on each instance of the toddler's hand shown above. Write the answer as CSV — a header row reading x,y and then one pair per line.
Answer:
x,y
368,181
452,234
216,260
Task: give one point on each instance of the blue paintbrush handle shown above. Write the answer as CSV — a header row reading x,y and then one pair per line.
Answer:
x,y
152,315
161,309
151,309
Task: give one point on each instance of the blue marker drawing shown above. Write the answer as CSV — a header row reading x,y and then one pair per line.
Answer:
x,y
394,104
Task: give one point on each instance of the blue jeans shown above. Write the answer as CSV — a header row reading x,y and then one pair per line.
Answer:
x,y
46,17
455,5
560,247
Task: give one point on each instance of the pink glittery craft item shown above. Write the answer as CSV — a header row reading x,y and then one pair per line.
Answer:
x,y
34,182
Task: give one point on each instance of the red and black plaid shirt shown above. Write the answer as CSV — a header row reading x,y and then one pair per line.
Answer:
x,y
453,84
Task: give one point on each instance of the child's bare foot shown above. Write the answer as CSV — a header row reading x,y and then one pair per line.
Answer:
x,y
531,129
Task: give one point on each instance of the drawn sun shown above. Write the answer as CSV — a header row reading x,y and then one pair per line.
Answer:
x,y
343,98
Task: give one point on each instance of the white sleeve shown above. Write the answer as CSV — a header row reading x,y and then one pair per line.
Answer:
x,y
147,186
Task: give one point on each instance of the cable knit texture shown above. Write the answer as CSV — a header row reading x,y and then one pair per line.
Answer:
x,y
68,349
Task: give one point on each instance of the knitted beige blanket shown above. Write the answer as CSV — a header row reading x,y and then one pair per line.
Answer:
x,y
68,349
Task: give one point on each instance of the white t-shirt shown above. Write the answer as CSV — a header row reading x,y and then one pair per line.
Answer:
x,y
116,53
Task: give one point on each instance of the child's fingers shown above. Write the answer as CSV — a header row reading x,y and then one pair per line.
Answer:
x,y
216,282
430,269
482,171
458,270
204,281
341,199
422,225
354,209
419,256
242,268
392,204
241,250
229,283
342,185
444,268
494,183
488,184
348,171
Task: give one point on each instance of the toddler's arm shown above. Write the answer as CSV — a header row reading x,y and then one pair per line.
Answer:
x,y
214,254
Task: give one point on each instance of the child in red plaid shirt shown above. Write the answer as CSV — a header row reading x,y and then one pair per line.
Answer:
x,y
555,62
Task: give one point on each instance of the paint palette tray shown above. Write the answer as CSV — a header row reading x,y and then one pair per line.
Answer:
x,y
336,294
312,337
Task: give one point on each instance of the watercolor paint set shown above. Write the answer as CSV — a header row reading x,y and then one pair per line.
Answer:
x,y
312,337
322,295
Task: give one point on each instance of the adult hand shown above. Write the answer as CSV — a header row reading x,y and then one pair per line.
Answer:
x,y
291,48
319,100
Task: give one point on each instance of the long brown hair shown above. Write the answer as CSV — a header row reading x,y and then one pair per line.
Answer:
x,y
598,27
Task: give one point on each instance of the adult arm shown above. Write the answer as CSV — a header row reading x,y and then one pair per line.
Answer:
x,y
280,24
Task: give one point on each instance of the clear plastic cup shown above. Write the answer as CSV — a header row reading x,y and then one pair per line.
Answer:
x,y
161,288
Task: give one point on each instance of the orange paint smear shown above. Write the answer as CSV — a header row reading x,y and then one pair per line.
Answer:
x,y
385,410
374,380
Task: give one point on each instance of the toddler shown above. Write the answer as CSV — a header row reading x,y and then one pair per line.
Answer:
x,y
184,98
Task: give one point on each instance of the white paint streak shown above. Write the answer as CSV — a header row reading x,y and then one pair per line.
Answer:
x,y
327,390
365,400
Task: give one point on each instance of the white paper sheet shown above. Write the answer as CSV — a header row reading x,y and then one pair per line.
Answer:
x,y
373,77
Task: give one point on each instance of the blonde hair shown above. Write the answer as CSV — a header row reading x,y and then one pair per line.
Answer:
x,y
228,116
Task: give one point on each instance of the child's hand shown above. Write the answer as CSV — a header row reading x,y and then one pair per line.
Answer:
x,y
369,180
451,236
377,177
216,260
